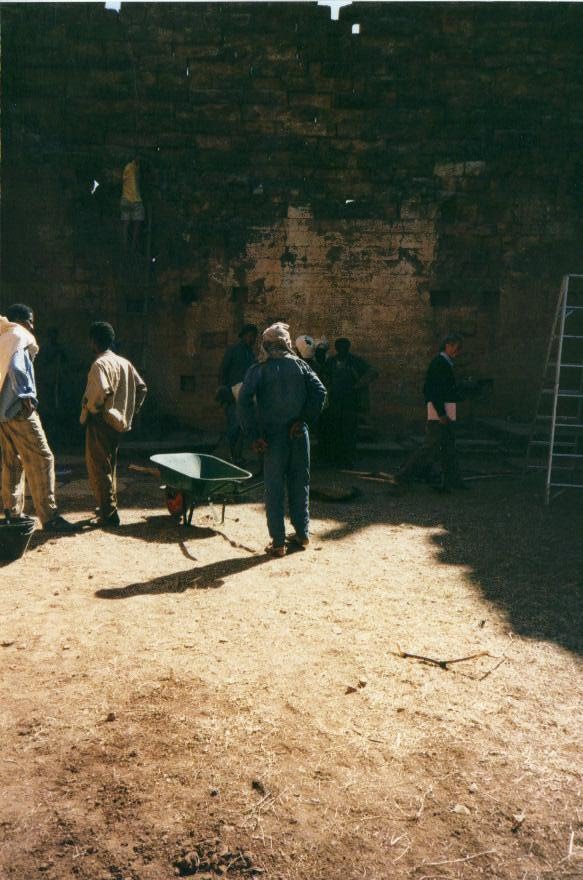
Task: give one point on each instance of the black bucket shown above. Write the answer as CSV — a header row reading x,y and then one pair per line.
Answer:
x,y
15,537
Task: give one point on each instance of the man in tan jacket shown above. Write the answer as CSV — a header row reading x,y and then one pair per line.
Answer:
x,y
114,394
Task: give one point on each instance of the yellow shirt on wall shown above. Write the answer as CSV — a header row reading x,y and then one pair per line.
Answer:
x,y
131,185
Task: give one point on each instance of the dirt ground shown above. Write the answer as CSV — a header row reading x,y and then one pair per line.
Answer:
x,y
175,703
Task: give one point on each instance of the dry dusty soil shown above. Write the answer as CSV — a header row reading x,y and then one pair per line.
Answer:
x,y
175,703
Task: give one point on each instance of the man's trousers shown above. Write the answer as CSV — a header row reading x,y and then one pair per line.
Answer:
x,y
438,446
287,465
26,455
101,445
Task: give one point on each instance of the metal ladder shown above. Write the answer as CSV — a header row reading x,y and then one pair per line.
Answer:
x,y
557,430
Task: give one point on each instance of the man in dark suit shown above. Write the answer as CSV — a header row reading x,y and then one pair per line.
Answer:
x,y
441,395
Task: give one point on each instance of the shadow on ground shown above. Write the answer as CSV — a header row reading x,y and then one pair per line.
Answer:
x,y
525,558
205,577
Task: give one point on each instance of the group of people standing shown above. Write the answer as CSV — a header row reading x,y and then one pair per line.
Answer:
x,y
113,396
274,401
345,376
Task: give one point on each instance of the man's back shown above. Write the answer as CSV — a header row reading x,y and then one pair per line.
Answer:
x,y
114,386
237,360
286,389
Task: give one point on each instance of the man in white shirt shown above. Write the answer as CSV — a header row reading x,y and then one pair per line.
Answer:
x,y
25,452
114,394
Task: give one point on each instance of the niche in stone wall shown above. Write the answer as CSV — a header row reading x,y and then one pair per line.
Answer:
x,y
440,299
490,299
189,294
214,339
188,383
239,295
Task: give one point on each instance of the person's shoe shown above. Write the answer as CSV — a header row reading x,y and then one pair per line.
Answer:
x,y
299,540
109,522
60,525
277,551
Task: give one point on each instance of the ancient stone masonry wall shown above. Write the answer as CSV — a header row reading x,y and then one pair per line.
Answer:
x,y
420,176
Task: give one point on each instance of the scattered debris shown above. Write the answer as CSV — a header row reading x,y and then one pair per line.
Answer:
x,y
518,820
111,716
351,689
324,493
140,469
258,786
469,858
570,847
461,808
211,858
7,644
94,188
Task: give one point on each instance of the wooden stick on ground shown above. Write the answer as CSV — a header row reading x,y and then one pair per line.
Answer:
x,y
443,664
140,469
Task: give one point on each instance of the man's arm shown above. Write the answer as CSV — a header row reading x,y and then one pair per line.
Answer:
x,y
315,396
22,383
97,391
436,385
246,403
225,367
141,390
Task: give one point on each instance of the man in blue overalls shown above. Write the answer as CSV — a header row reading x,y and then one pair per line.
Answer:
x,y
278,399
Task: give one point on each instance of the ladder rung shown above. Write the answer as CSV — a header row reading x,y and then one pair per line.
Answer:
x,y
566,336
557,443
573,308
566,366
567,485
566,455
559,424
543,467
563,393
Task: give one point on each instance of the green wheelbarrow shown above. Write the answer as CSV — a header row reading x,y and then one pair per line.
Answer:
x,y
193,477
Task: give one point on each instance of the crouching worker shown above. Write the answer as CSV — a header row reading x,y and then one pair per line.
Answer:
x,y
278,399
114,394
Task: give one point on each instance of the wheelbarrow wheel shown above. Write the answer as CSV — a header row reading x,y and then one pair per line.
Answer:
x,y
174,503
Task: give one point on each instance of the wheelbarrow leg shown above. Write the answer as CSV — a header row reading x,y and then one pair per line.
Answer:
x,y
216,520
187,510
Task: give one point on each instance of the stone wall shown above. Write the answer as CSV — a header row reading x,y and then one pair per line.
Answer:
x,y
420,176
